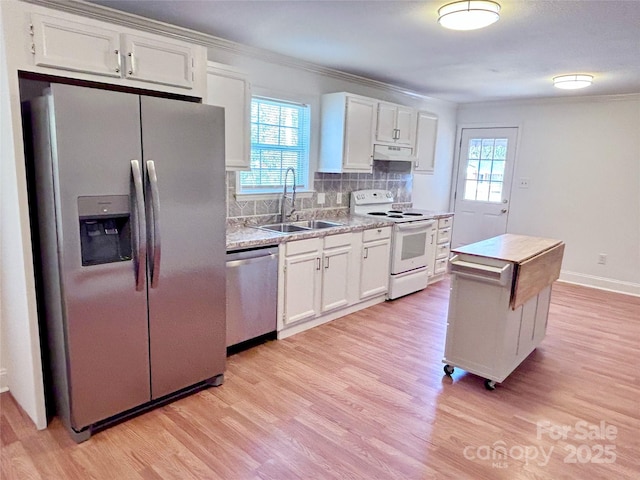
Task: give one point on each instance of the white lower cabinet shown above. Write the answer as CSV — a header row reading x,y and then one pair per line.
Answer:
x,y
316,276
439,249
374,269
301,280
336,263
322,279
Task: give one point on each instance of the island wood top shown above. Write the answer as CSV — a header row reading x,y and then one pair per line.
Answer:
x,y
509,247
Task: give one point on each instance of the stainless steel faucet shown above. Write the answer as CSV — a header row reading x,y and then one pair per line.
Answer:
x,y
283,202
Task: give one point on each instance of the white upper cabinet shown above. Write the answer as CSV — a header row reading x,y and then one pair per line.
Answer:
x,y
230,88
80,47
426,143
346,139
116,54
396,124
165,61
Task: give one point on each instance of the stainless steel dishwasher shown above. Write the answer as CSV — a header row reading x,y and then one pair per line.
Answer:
x,y
252,293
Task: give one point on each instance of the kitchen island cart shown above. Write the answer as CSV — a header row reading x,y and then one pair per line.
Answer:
x,y
499,303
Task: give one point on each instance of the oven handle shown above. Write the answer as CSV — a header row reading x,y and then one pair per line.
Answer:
x,y
414,225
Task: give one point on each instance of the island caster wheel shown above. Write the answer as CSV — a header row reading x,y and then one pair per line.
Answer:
x,y
448,370
489,384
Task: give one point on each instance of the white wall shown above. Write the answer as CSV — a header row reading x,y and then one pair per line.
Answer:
x,y
582,156
20,339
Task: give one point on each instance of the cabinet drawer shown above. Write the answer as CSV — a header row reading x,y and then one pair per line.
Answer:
x,y
442,250
338,240
441,266
376,234
303,246
446,222
444,235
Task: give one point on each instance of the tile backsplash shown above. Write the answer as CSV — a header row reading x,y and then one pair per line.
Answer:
x,y
393,176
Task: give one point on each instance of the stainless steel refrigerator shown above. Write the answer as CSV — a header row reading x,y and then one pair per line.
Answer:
x,y
131,215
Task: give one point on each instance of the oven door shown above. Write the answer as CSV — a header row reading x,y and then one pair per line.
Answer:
x,y
410,246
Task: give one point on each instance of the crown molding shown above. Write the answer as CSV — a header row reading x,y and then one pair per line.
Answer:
x,y
618,97
106,14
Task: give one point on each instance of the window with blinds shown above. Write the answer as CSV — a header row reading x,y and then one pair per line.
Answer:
x,y
279,140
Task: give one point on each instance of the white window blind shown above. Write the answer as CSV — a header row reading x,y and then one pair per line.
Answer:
x,y
279,140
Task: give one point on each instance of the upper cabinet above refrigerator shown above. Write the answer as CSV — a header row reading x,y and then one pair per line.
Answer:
x,y
105,52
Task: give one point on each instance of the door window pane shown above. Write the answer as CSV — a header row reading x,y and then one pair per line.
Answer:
x,y
485,169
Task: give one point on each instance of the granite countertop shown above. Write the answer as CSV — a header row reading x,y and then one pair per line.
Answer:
x,y
241,237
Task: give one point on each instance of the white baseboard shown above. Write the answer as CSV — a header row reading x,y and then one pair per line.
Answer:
x,y
602,283
4,387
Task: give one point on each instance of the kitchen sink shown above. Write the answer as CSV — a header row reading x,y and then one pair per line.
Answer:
x,y
284,228
301,226
316,224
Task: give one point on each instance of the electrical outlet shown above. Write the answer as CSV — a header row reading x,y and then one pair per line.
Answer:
x,y
339,198
523,183
602,258
320,198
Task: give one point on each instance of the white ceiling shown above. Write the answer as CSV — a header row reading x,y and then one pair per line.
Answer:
x,y
400,42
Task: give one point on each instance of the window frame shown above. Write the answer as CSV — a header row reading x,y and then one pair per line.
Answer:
x,y
271,193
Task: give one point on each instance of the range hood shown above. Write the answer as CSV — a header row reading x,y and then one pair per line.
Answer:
x,y
393,153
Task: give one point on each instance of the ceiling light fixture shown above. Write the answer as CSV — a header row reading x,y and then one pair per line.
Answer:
x,y
572,82
469,15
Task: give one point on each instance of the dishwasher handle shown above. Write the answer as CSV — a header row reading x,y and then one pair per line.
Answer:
x,y
496,275
250,261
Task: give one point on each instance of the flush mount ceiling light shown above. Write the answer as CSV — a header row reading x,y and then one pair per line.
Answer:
x,y
469,15
572,82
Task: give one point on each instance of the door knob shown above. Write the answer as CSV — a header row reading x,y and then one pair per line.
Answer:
x,y
504,210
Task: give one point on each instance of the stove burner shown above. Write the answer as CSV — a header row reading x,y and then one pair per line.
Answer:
x,y
394,211
413,214
378,213
395,216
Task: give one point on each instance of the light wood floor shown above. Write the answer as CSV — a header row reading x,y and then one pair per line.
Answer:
x,y
364,397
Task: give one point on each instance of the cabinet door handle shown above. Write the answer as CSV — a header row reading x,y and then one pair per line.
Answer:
x,y
366,252
317,263
132,71
119,58
326,262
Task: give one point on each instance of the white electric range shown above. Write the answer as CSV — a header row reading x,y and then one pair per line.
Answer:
x,y
409,241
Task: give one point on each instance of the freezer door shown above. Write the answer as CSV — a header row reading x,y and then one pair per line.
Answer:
x,y
94,135
183,146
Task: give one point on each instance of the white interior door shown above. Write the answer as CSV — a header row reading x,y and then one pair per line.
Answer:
x,y
483,185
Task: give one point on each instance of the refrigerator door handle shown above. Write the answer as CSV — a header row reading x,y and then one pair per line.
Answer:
x,y
154,234
141,221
